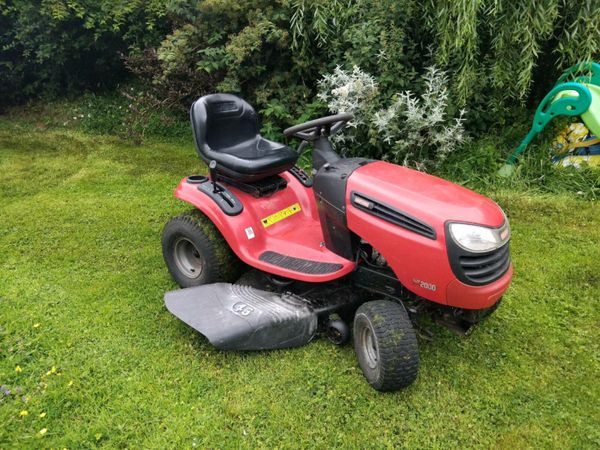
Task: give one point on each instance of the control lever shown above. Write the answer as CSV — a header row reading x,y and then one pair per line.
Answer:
x,y
212,167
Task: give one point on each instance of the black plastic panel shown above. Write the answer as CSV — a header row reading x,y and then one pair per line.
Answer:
x,y
264,187
226,200
380,281
330,191
302,176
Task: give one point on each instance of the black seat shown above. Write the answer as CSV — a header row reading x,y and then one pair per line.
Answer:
x,y
226,130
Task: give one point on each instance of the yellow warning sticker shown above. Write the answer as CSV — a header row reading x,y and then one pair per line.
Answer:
x,y
280,215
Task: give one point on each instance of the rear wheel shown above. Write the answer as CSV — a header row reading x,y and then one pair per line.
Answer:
x,y
196,253
386,345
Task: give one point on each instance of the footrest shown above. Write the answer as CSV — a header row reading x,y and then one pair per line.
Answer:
x,y
235,317
298,264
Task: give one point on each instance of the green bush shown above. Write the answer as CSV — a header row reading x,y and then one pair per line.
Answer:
x,y
57,46
408,129
114,114
499,54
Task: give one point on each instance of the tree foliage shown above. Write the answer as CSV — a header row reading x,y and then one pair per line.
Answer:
x,y
61,45
497,53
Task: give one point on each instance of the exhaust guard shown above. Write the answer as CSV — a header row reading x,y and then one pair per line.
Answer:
x,y
236,317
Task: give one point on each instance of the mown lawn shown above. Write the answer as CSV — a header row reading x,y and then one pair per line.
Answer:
x,y
88,350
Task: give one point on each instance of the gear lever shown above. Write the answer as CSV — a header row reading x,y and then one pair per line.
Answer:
x,y
212,167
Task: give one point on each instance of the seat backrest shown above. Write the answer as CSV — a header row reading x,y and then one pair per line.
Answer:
x,y
220,121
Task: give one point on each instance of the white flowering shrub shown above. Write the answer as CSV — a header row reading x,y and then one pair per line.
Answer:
x,y
413,130
352,92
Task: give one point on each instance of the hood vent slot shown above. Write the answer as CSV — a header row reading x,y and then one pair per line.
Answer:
x,y
391,214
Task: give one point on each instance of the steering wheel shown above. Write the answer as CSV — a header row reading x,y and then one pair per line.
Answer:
x,y
314,129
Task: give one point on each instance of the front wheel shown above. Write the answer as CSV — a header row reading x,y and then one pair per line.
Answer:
x,y
386,345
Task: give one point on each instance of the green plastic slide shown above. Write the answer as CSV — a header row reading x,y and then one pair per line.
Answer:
x,y
574,98
591,117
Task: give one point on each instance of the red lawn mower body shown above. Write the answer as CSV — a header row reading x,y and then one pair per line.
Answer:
x,y
421,264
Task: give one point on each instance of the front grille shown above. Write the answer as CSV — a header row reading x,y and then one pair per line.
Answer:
x,y
483,268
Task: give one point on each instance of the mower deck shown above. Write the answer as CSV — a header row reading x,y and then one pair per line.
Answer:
x,y
236,317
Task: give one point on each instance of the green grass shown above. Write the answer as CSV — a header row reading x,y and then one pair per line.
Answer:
x,y
82,316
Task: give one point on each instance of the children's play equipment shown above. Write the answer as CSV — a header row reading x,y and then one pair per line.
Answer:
x,y
363,247
580,97
574,146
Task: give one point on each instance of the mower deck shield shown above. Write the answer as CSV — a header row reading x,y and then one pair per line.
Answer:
x,y
235,317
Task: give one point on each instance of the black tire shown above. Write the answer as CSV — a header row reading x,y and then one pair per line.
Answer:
x,y
196,253
386,345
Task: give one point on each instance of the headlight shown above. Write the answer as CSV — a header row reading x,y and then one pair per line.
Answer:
x,y
479,239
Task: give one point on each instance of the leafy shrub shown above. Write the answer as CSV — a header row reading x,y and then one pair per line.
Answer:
x,y
498,53
420,128
55,46
351,92
417,130
126,115
275,52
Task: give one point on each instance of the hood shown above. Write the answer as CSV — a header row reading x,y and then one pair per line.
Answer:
x,y
426,197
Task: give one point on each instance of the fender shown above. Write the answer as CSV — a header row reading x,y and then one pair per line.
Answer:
x,y
299,235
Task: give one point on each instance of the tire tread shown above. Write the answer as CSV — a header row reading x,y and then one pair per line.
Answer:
x,y
398,358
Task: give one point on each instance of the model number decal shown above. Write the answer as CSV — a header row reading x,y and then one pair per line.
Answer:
x,y
425,285
242,309
280,215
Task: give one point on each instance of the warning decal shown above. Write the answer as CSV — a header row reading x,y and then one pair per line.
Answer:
x,y
280,215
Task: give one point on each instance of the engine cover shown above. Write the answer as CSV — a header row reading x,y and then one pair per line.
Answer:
x,y
402,213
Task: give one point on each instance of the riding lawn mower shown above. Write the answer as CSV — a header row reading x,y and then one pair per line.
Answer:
x,y
271,257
